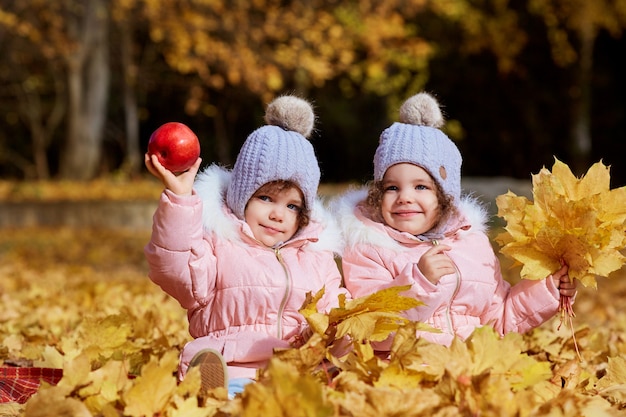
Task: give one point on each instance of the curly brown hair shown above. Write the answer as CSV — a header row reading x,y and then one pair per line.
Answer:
x,y
275,187
374,199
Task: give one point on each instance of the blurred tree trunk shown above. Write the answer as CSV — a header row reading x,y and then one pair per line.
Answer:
x,y
41,122
133,155
88,84
35,82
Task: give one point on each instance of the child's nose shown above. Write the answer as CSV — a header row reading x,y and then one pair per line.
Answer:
x,y
277,214
405,196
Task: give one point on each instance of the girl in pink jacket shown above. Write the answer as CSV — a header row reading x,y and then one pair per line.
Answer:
x,y
240,249
412,227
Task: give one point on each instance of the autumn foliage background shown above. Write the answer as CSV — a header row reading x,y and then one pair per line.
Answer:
x,y
85,82
520,81
79,299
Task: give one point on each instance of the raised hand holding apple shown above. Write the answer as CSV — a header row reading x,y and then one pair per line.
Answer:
x,y
176,146
173,157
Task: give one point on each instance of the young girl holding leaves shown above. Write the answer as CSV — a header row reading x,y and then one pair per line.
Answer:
x,y
240,249
412,227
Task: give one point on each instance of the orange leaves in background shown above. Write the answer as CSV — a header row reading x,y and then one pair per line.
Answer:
x,y
578,221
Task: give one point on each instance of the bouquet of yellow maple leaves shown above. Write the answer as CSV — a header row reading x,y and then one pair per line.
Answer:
x,y
580,222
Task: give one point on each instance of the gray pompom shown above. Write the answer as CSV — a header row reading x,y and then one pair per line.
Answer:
x,y
422,110
291,113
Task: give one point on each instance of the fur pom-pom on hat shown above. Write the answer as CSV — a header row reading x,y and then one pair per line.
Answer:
x,y
416,139
421,110
291,113
278,151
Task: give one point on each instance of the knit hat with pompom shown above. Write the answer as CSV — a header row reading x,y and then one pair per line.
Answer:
x,y
416,139
278,151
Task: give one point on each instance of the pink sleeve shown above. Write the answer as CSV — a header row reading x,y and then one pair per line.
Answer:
x,y
524,306
179,259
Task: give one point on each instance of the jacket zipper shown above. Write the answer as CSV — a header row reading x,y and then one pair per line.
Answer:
x,y
457,273
283,303
456,291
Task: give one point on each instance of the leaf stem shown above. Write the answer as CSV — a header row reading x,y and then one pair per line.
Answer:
x,y
565,306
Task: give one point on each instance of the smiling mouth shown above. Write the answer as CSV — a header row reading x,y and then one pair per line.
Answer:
x,y
406,213
270,229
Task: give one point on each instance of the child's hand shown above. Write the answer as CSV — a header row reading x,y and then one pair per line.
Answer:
x,y
434,263
181,184
562,282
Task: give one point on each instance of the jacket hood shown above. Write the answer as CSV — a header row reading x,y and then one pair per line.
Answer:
x,y
211,185
359,229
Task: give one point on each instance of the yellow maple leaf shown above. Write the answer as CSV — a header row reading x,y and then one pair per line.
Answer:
x,y
486,348
578,221
11,409
52,358
373,317
308,357
361,363
106,382
613,385
188,407
284,391
153,389
75,373
190,385
388,401
106,335
395,376
53,402
405,340
316,319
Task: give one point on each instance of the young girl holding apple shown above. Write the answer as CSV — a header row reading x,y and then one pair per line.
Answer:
x,y
412,227
239,249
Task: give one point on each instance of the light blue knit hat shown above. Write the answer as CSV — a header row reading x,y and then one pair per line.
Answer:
x,y
416,139
278,151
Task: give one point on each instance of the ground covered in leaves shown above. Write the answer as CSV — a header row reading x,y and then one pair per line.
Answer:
x,y
109,189
80,300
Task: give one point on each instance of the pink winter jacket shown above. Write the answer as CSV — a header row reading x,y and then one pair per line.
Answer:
x,y
378,257
242,298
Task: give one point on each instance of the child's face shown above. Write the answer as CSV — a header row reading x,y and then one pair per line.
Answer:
x,y
409,202
273,216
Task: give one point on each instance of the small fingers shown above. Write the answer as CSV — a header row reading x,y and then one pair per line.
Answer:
x,y
567,287
437,250
566,283
568,292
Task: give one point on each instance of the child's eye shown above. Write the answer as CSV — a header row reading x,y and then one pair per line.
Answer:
x,y
264,198
421,187
293,207
391,188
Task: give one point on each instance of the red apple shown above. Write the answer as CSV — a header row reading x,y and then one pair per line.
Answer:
x,y
175,145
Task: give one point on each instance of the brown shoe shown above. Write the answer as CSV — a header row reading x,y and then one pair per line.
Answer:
x,y
213,370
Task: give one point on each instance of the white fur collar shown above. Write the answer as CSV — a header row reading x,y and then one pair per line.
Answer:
x,y
473,214
211,184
